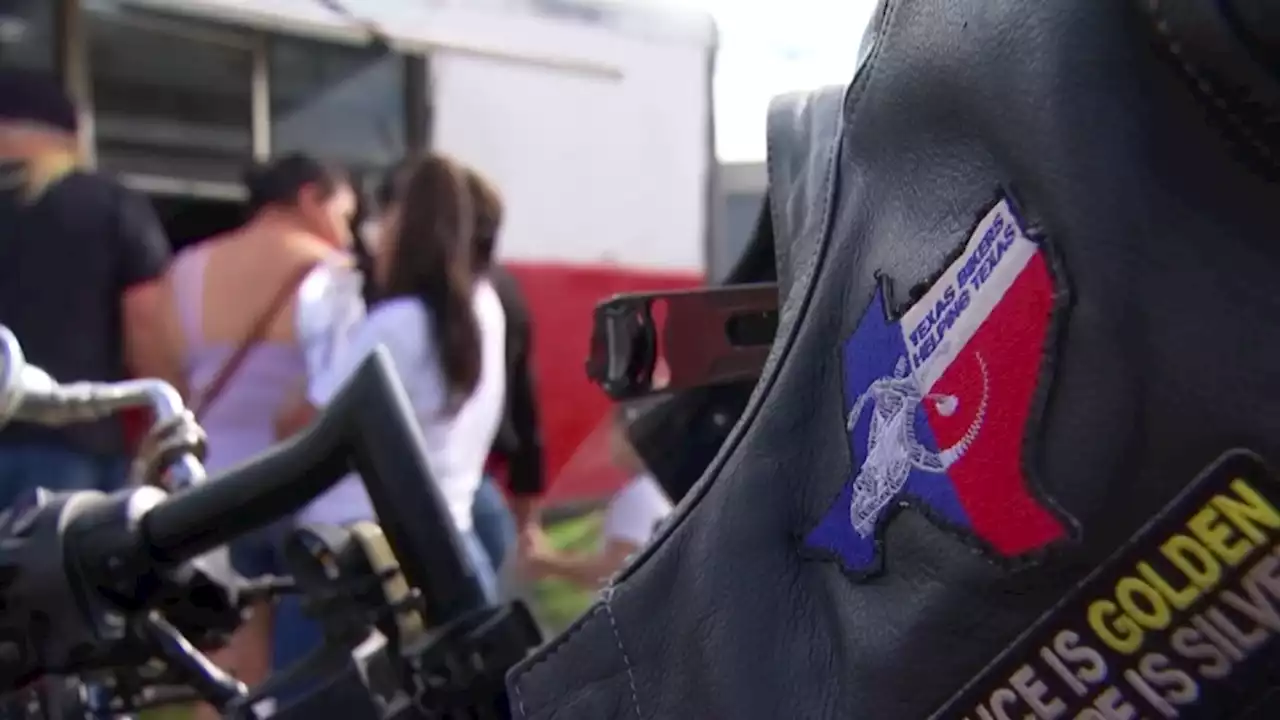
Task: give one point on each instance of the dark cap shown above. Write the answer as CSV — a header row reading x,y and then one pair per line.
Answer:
x,y
35,98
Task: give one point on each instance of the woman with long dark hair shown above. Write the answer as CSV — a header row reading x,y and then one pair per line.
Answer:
x,y
500,522
443,326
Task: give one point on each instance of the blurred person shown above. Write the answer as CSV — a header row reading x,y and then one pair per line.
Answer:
x,y
443,328
262,309
631,519
519,441
84,286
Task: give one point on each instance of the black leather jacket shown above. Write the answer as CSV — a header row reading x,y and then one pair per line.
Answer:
x,y
1127,152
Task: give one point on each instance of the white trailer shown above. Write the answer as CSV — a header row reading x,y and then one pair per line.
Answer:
x,y
593,118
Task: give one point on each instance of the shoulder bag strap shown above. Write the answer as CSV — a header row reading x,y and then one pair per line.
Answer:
x,y
256,333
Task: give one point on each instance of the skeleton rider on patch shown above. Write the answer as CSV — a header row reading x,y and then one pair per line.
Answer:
x,y
892,446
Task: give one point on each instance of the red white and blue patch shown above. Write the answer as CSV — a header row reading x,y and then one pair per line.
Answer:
x,y
939,402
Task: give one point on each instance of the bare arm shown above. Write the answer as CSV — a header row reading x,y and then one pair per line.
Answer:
x,y
151,338
295,414
527,510
588,570
152,341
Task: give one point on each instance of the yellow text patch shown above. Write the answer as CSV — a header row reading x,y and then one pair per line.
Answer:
x,y
1181,622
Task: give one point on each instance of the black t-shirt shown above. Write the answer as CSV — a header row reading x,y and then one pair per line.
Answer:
x,y
66,260
519,438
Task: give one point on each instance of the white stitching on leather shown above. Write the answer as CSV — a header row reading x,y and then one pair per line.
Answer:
x,y
549,651
606,596
519,699
1206,86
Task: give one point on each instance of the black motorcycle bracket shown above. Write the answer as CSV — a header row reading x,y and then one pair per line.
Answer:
x,y
460,670
708,336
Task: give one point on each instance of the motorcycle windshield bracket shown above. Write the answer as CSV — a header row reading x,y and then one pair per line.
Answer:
x,y
708,336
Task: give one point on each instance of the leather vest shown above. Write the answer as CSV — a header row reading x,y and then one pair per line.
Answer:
x,y
1027,273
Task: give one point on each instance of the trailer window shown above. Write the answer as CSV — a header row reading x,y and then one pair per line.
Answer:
x,y
345,104
27,34
172,97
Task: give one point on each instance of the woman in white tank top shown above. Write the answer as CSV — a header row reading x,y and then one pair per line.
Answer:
x,y
444,329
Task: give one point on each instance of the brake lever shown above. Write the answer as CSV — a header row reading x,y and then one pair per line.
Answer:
x,y
205,678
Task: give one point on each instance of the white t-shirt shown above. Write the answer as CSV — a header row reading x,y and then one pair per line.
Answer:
x,y
328,306
456,445
636,510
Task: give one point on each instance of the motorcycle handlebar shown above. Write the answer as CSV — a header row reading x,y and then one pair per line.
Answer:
x,y
369,427
29,394
79,560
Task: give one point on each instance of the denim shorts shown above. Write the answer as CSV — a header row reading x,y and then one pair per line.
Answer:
x,y
494,524
261,553
23,467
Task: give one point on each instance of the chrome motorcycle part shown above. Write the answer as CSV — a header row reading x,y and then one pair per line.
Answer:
x,y
175,444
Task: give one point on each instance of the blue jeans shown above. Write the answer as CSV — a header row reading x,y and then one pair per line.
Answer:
x,y
494,523
23,467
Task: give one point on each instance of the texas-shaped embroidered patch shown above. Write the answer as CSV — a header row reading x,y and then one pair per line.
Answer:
x,y
939,402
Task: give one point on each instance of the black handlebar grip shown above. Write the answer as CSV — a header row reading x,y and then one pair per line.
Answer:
x,y
369,426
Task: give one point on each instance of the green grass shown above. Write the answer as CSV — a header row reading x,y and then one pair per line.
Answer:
x,y
555,603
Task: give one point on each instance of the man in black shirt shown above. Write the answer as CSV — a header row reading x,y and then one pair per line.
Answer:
x,y
82,285
519,441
